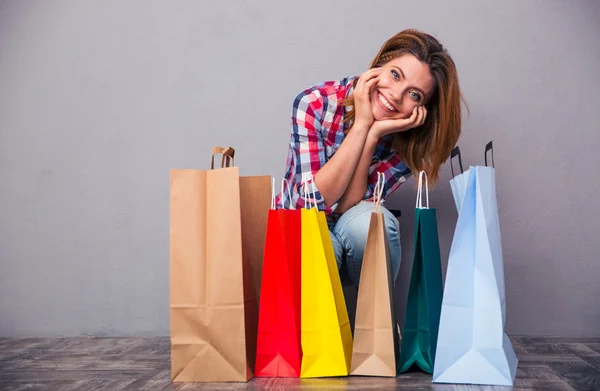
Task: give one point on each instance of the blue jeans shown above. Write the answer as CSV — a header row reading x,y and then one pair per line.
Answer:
x,y
349,237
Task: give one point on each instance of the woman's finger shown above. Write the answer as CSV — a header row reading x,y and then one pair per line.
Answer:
x,y
373,72
366,77
414,116
420,116
417,120
401,124
360,83
369,75
371,84
424,116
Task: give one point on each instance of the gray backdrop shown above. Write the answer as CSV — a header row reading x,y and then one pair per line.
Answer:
x,y
98,100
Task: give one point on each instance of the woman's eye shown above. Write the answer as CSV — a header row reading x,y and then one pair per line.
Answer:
x,y
415,96
396,75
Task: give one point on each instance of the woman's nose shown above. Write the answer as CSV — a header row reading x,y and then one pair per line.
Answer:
x,y
396,94
396,100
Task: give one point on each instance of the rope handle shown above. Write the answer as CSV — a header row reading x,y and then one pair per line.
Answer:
x,y
420,191
285,185
378,192
305,179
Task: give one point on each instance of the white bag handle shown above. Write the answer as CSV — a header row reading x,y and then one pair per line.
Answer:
x,y
284,185
272,193
378,192
305,179
420,191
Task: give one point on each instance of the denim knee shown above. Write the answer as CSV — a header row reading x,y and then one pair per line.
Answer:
x,y
338,250
351,231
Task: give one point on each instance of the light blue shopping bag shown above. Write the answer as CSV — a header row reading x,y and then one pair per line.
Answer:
x,y
472,346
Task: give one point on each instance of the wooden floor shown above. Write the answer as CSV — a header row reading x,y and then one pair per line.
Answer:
x,y
144,364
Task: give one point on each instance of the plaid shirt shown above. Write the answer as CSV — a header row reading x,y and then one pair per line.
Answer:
x,y
317,133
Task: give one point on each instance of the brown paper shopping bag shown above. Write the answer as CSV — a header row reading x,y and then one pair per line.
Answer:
x,y
375,349
217,233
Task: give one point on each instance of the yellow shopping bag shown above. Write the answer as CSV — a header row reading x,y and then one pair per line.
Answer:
x,y
325,332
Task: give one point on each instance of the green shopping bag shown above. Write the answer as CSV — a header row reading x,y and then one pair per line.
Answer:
x,y
422,318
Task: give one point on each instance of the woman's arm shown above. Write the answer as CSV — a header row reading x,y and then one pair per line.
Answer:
x,y
358,183
334,177
307,155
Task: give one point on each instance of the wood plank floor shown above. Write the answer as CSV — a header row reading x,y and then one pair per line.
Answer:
x,y
144,364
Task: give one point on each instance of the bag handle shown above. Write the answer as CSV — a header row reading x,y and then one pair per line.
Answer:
x,y
227,153
456,152
420,191
305,179
489,147
378,192
285,185
272,193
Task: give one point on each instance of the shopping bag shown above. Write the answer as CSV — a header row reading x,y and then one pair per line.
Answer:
x,y
472,345
325,332
216,253
375,349
278,350
422,318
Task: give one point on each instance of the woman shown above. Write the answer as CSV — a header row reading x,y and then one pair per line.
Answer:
x,y
401,116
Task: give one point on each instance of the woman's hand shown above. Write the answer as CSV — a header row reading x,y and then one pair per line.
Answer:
x,y
363,116
384,127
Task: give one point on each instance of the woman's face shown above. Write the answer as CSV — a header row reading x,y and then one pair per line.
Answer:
x,y
404,82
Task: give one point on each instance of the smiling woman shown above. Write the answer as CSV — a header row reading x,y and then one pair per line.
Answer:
x,y
397,92
401,116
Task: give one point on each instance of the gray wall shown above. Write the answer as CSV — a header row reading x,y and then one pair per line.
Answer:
x,y
98,100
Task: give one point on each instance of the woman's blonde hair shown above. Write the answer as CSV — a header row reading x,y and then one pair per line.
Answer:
x,y
427,147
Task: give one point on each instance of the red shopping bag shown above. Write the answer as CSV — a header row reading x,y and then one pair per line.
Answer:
x,y
278,351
